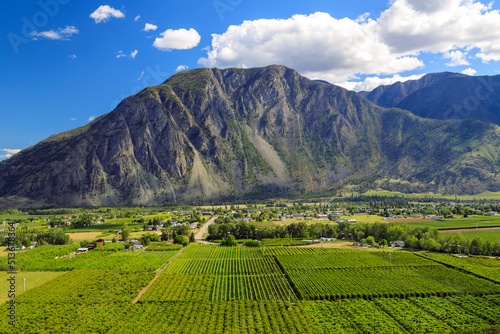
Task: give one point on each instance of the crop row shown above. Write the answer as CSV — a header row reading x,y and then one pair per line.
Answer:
x,y
180,287
361,259
449,313
245,266
483,267
387,282
90,286
216,252
369,318
410,316
329,318
479,306
251,287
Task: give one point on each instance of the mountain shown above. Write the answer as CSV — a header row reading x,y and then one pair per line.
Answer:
x,y
444,96
208,133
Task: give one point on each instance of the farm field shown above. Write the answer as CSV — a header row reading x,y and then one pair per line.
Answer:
x,y
215,289
488,234
459,223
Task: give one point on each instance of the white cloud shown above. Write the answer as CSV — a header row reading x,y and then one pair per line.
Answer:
x,y
121,54
181,68
91,118
72,119
10,151
137,18
469,71
104,13
181,39
337,50
457,58
150,26
370,83
59,34
317,45
72,56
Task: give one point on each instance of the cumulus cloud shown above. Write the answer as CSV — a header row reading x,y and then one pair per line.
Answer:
x,y
181,68
91,118
469,71
370,83
150,26
137,18
104,13
59,34
133,54
317,45
321,46
180,39
457,58
7,153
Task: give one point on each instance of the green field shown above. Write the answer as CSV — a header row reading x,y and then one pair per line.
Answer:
x,y
488,235
460,223
214,289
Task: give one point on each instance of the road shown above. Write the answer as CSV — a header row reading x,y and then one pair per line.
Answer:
x,y
199,236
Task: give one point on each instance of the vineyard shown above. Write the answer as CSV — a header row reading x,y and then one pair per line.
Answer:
x,y
479,266
214,289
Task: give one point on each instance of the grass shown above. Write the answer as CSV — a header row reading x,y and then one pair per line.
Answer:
x,y
488,235
486,195
460,223
33,279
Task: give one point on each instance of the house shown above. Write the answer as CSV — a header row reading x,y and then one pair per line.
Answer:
x,y
108,242
352,220
492,213
90,247
297,216
321,216
136,247
100,243
397,243
82,250
327,239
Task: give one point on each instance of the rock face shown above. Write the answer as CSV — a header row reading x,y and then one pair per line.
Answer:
x,y
210,133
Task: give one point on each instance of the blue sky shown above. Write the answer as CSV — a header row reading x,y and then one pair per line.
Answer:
x,y
65,62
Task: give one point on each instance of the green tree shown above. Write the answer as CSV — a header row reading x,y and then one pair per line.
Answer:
x,y
230,241
370,240
179,240
191,237
383,243
125,233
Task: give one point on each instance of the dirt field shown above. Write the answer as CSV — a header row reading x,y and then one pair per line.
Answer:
x,y
80,236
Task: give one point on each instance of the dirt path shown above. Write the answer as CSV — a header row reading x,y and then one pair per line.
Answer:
x,y
158,273
199,236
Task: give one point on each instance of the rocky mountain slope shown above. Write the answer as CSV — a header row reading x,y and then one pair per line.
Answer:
x,y
210,133
444,96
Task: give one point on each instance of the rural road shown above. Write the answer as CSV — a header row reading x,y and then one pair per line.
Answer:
x,y
199,236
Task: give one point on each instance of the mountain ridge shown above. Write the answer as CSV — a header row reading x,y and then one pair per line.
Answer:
x,y
209,133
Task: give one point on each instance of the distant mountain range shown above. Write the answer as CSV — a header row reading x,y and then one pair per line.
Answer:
x,y
207,134
444,96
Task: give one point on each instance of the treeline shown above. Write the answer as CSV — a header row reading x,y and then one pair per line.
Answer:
x,y
414,237
24,237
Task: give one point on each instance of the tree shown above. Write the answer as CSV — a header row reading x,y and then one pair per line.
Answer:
x,y
383,243
179,240
370,240
230,241
191,237
125,233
